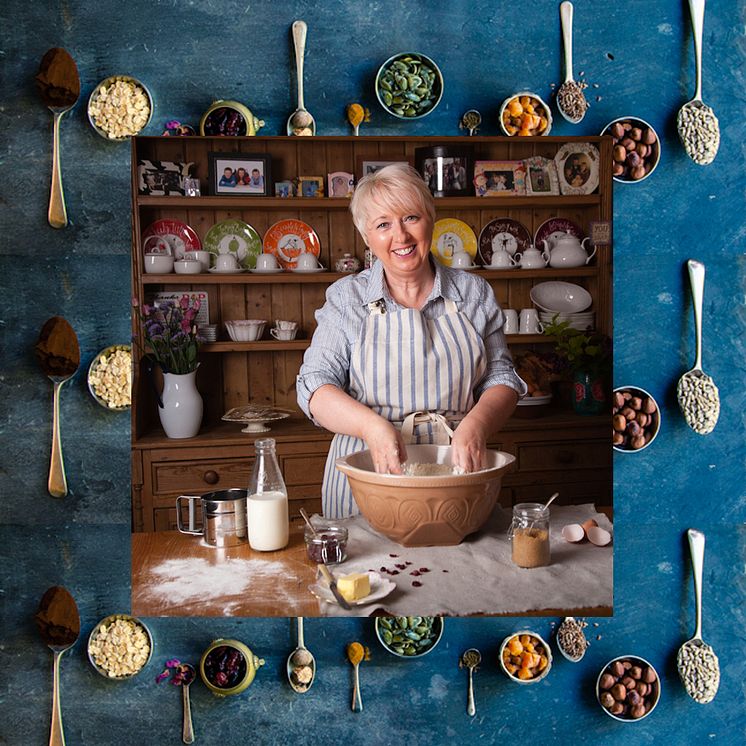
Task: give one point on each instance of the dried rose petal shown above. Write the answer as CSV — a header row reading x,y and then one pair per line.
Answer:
x,y
445,570
394,572
415,572
173,663
407,563
400,567
424,569
161,676
393,555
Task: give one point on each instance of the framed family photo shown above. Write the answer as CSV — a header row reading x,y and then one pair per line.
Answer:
x,y
367,165
499,178
239,174
446,170
578,168
541,176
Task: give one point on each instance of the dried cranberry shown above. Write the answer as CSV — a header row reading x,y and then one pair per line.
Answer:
x,y
401,567
221,679
393,555
407,563
424,569
383,569
415,572
445,570
394,572
416,584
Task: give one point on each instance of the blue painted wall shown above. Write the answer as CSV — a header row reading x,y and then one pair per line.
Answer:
x,y
640,54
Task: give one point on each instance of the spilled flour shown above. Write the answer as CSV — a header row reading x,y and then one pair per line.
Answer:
x,y
199,581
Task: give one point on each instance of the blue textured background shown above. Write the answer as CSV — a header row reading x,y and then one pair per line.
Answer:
x,y
191,52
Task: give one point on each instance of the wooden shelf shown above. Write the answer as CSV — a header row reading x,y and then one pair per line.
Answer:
x,y
267,345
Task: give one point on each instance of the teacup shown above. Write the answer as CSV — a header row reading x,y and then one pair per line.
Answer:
x,y
226,263
283,334
187,267
529,322
159,264
511,321
279,324
461,260
306,262
266,261
203,257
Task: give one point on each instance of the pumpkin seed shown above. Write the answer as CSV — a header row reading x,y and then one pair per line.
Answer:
x,y
410,83
409,636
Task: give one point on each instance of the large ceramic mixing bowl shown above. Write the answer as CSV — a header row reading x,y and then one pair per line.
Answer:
x,y
419,511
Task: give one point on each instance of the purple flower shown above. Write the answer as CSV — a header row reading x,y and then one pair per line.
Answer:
x,y
184,302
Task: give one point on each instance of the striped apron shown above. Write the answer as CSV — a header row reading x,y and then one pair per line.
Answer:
x,y
418,373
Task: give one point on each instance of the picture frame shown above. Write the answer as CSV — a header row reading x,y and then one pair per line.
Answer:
x,y
446,169
499,178
541,176
310,186
367,165
162,178
240,174
340,184
578,165
284,189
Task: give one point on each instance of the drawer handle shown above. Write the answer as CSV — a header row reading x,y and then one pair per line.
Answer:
x,y
211,477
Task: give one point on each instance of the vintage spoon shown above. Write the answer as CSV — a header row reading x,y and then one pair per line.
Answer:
x,y
58,353
300,120
59,95
697,393
188,675
698,127
470,660
569,88
301,657
58,622
305,517
697,663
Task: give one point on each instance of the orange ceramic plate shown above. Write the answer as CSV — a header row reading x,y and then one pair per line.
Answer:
x,y
288,239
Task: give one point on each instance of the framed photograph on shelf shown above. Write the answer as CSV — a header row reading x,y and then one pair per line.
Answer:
x,y
577,168
541,176
446,170
239,174
499,178
162,178
310,186
284,189
366,165
341,184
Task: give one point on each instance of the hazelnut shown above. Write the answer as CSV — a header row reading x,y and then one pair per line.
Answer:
x,y
648,436
626,126
641,149
635,672
636,403
629,683
634,699
607,700
636,134
633,159
620,153
617,709
642,419
619,692
633,429
648,675
629,143
607,681
637,443
637,712
642,688
617,669
618,399
648,137
620,422
617,130
648,406
629,413
619,169
637,173
626,395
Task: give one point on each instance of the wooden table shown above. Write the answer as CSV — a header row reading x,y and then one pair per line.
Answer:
x,y
170,569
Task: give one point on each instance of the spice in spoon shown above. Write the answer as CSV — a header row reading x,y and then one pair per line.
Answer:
x,y
571,638
699,670
571,99
58,81
357,653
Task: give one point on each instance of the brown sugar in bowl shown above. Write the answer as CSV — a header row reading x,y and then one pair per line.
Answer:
x,y
419,511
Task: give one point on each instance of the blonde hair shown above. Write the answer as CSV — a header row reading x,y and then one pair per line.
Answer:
x,y
393,187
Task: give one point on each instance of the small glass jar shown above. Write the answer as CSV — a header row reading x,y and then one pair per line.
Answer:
x,y
529,535
328,545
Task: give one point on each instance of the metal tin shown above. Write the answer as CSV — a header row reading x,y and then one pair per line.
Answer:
x,y
223,517
251,126
109,620
252,666
108,81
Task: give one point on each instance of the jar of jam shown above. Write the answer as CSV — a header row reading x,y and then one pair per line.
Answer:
x,y
328,544
529,535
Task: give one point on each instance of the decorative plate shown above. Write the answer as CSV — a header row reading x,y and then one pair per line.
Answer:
x,y
451,236
379,588
179,236
235,237
254,417
503,233
554,228
287,239
577,167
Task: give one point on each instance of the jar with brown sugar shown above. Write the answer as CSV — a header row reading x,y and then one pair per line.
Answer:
x,y
529,535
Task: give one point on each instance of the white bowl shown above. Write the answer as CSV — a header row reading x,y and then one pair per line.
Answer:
x,y
245,330
548,650
642,662
505,103
636,121
158,264
187,267
564,297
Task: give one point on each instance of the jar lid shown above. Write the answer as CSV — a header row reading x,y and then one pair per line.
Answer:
x,y
531,510
330,529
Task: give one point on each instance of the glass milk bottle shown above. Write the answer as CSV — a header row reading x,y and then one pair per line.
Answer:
x,y
267,503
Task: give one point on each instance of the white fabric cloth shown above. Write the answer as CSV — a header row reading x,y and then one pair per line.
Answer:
x,y
481,577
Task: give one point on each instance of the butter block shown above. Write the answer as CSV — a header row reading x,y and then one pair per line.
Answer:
x,y
353,587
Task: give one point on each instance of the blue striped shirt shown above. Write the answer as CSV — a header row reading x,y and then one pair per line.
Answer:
x,y
341,319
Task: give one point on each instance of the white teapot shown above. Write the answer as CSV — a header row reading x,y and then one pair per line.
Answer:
x,y
567,251
532,258
502,260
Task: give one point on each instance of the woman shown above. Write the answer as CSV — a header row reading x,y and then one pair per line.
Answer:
x,y
406,344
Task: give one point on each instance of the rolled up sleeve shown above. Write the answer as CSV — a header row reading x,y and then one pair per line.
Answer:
x,y
327,360
500,369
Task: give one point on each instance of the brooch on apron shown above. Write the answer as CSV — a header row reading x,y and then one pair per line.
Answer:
x,y
377,306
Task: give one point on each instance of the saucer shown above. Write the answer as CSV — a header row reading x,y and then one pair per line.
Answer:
x,y
308,271
379,588
216,271
275,271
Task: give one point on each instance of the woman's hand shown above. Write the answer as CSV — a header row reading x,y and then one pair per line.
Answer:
x,y
469,446
385,444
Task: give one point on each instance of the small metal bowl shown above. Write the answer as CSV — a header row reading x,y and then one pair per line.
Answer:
x,y
438,626
548,650
641,392
642,662
108,81
437,85
109,620
91,368
638,123
504,106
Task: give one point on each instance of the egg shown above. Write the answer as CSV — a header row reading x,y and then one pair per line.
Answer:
x,y
573,533
598,536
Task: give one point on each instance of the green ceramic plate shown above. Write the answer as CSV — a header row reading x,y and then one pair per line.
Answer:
x,y
234,237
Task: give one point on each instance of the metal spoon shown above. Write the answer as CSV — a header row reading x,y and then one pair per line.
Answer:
x,y
566,13
300,119
187,729
301,657
58,353
698,665
59,626
697,393
67,98
470,659
698,127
